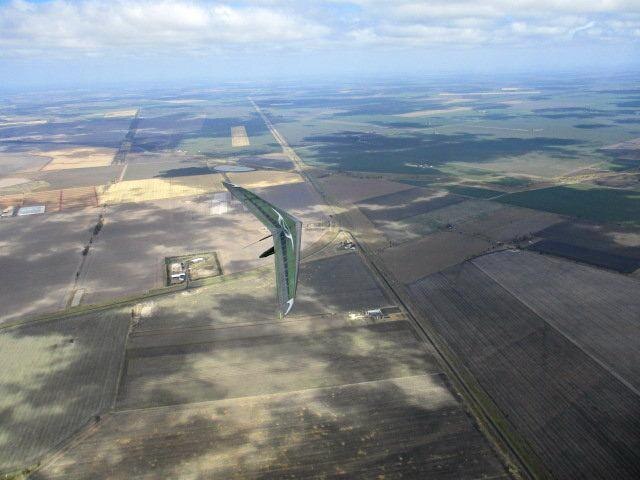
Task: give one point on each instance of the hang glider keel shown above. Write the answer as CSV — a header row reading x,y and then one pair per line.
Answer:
x,y
286,231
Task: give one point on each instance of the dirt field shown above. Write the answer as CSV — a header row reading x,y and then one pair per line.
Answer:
x,y
349,189
135,191
20,162
598,258
137,236
239,137
555,289
587,203
78,157
452,215
413,260
141,167
407,203
56,377
54,200
239,368
300,199
40,255
352,431
261,179
49,198
23,188
78,177
78,198
337,284
278,397
506,224
578,418
8,182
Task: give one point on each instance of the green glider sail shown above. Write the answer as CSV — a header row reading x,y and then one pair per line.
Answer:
x,y
286,231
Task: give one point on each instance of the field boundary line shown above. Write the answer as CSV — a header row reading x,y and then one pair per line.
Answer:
x,y
559,330
119,302
123,365
187,406
58,451
508,444
134,350
45,165
513,451
157,292
122,172
291,319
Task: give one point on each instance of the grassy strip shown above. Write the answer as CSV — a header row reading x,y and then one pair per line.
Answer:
x,y
133,299
474,192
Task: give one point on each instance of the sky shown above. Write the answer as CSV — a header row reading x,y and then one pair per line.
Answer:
x,y
80,42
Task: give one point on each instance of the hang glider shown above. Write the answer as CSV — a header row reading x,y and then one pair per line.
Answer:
x,y
286,231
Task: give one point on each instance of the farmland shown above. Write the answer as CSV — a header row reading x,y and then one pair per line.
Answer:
x,y
583,202
56,377
363,428
413,260
351,189
509,224
78,158
239,137
338,284
132,191
407,203
598,258
173,227
445,217
489,139
76,177
555,289
214,367
40,257
441,186
522,346
607,246
237,368
474,192
54,200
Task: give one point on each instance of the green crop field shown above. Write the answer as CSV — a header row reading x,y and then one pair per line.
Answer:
x,y
591,203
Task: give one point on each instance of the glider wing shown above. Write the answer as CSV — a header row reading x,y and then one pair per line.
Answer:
x,y
286,231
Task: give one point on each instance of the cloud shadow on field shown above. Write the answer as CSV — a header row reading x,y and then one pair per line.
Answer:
x,y
351,150
57,376
301,397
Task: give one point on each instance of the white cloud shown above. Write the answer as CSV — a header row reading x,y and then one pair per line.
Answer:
x,y
142,24
491,22
94,27
495,8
